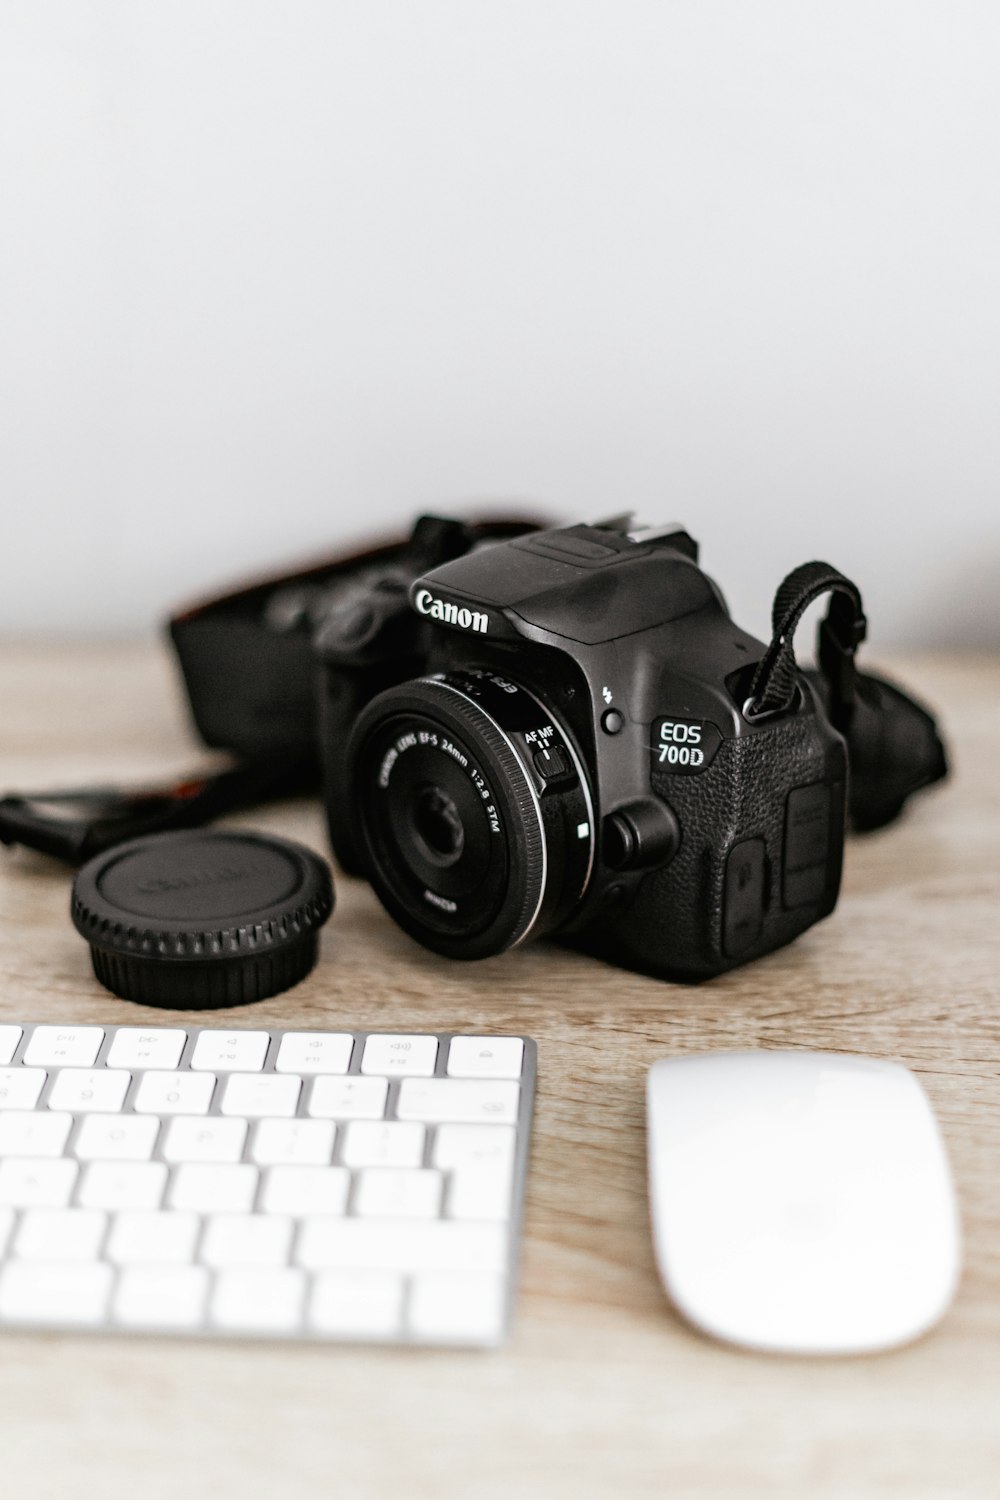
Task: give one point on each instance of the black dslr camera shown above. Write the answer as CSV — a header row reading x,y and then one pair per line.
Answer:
x,y
522,731
579,742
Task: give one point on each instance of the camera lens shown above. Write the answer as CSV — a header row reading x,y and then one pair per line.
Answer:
x,y
473,810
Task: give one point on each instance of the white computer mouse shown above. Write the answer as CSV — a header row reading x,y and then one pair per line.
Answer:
x,y
801,1201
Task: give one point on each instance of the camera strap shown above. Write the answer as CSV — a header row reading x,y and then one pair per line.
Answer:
x,y
74,825
840,634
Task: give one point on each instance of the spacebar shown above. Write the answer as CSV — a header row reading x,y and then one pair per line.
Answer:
x,y
401,1245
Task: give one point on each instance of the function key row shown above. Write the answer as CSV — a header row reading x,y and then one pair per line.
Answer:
x,y
299,1052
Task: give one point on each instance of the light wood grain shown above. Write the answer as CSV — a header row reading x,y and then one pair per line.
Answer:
x,y
602,1392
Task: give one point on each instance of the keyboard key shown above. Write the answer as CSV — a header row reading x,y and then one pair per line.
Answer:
x,y
230,1051
348,1098
27,1183
246,1240
204,1138
9,1038
168,1297
397,1192
256,1094
63,1046
259,1301
153,1238
383,1143
139,1047
116,1137
205,1188
83,1089
480,1192
357,1304
314,1052
55,1234
20,1087
457,1308
414,1056
123,1184
473,1145
174,1093
305,1190
25,1133
404,1245
458,1099
293,1142
485,1057
65,1294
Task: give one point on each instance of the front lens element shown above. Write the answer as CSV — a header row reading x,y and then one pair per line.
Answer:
x,y
437,824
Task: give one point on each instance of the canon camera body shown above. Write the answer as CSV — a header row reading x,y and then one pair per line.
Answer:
x,y
579,757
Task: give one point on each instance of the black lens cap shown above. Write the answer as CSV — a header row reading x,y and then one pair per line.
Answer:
x,y
202,919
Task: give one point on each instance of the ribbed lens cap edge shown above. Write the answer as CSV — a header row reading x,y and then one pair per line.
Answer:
x,y
202,919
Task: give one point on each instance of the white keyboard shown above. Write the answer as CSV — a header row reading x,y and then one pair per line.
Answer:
x,y
288,1184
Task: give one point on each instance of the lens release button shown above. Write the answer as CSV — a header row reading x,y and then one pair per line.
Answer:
x,y
639,836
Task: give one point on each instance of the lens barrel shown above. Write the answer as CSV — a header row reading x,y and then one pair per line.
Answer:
x,y
473,810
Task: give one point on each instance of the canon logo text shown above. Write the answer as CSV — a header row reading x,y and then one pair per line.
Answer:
x,y
449,613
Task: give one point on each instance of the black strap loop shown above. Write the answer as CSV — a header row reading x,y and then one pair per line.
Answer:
x,y
840,634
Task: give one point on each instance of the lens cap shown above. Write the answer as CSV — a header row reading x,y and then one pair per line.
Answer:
x,y
202,919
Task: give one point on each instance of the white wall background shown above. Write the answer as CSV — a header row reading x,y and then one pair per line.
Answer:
x,y
274,275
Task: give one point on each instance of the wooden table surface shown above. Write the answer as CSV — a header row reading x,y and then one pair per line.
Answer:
x,y
603,1391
